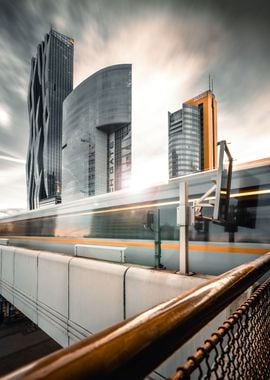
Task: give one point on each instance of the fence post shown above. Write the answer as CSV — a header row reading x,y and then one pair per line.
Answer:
x,y
183,230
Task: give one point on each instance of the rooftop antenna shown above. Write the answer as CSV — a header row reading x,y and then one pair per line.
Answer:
x,y
209,79
212,85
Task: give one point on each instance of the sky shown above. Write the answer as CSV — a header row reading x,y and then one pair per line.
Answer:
x,y
172,46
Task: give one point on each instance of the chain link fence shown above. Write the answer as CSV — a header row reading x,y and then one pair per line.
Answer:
x,y
240,349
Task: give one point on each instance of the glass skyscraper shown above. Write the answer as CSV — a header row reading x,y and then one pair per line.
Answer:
x,y
97,134
51,80
184,141
193,136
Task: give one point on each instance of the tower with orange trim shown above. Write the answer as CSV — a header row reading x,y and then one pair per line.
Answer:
x,y
193,136
207,105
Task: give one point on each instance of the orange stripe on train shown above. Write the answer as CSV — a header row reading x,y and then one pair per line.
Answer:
x,y
170,246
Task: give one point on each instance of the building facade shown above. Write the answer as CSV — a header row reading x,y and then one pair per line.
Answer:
x,y
96,147
51,80
193,136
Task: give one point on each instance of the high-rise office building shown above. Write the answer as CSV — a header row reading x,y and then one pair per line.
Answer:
x,y
97,134
193,136
51,80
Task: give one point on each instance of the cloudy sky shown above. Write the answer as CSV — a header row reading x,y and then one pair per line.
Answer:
x,y
172,45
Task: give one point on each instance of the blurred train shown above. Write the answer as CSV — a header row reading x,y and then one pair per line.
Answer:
x,y
122,219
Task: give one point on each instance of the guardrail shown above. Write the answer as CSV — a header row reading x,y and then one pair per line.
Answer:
x,y
239,349
134,348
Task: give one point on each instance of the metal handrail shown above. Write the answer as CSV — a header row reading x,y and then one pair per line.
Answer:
x,y
135,347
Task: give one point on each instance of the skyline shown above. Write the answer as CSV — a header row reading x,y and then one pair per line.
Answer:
x,y
172,48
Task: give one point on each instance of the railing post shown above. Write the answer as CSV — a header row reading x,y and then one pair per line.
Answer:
x,y
183,230
157,240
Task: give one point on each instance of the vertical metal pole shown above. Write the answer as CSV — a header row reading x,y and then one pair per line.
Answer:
x,y
1,309
183,222
157,239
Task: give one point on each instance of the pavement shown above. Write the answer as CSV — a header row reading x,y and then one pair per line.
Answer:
x,y
21,342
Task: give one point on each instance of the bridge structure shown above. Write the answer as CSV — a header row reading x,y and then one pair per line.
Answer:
x,y
158,318
71,298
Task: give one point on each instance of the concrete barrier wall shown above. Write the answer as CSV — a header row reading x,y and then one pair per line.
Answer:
x,y
25,282
99,252
4,241
53,293
96,291
146,288
71,298
7,273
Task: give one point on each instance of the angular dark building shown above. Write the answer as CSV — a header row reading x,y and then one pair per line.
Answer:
x,y
97,134
51,80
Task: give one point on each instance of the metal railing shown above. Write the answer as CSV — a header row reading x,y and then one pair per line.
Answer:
x,y
134,348
240,349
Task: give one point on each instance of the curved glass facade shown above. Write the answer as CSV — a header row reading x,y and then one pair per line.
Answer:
x,y
96,150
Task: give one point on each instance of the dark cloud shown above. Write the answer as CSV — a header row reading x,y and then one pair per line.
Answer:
x,y
9,164
5,154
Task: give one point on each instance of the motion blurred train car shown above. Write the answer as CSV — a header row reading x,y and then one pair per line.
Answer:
x,y
126,218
